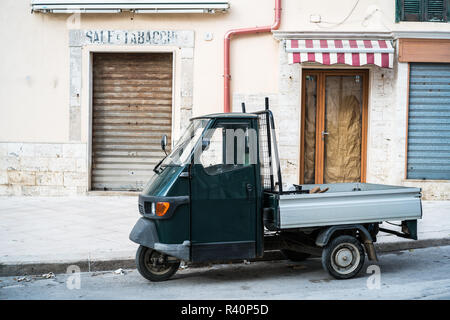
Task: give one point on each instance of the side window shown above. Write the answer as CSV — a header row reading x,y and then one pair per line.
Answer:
x,y
212,154
228,146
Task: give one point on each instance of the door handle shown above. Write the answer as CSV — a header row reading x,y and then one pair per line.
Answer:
x,y
324,133
249,188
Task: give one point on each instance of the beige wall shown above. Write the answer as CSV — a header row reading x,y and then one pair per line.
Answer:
x,y
34,73
369,15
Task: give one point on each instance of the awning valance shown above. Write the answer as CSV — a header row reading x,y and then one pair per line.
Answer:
x,y
137,6
351,52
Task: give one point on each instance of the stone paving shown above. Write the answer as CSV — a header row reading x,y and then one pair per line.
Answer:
x,y
52,229
36,229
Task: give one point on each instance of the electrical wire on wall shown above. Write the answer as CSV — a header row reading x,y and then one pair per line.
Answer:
x,y
371,11
335,24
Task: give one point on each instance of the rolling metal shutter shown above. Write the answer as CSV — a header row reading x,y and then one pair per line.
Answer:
x,y
429,121
132,109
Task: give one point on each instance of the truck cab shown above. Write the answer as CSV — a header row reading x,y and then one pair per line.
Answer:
x,y
204,201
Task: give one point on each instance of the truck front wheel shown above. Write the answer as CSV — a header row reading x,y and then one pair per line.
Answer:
x,y
154,265
343,257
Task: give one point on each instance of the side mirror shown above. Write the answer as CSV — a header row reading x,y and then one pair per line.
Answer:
x,y
164,143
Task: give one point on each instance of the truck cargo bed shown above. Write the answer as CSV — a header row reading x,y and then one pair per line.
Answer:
x,y
348,203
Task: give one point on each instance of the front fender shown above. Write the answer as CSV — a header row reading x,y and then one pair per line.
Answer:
x,y
144,233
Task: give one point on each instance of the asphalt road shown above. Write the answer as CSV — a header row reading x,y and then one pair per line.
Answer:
x,y
414,274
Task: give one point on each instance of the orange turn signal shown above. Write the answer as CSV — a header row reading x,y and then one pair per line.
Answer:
x,y
161,208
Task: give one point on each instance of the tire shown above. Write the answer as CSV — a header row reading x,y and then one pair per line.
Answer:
x,y
154,265
295,256
336,254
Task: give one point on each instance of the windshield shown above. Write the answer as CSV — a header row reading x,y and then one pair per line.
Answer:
x,y
182,150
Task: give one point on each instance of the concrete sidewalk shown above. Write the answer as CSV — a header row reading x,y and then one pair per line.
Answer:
x,y
43,234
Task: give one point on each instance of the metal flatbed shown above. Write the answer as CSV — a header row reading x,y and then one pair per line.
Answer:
x,y
348,203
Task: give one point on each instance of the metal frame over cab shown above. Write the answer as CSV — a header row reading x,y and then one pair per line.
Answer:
x,y
233,208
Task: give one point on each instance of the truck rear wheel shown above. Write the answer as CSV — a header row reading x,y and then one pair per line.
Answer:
x,y
295,256
343,257
154,265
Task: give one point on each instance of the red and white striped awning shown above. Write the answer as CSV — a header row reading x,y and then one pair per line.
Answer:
x,y
351,52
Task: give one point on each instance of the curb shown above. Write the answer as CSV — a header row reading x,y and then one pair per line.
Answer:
x,y
411,244
20,269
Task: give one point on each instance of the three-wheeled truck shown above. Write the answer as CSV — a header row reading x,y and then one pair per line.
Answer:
x,y
219,196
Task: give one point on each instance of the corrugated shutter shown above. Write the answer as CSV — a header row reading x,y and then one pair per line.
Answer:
x,y
132,109
429,121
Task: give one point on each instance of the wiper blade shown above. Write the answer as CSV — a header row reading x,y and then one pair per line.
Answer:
x,y
155,169
170,165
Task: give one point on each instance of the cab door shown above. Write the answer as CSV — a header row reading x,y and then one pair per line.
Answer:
x,y
223,192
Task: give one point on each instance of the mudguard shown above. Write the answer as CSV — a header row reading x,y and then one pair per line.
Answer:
x,y
325,235
144,233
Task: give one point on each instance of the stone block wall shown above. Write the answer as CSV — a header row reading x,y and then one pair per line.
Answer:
x,y
287,132
386,129
45,169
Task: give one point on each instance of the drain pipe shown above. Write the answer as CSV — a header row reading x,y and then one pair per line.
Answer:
x,y
228,35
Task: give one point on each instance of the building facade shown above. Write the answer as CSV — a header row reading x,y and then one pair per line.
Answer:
x,y
360,89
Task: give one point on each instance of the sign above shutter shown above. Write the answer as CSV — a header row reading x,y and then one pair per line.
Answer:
x,y
352,52
424,50
138,6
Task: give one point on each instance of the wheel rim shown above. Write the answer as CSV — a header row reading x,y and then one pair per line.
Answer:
x,y
345,258
157,262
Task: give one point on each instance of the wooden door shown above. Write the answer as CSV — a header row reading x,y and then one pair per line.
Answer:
x,y
334,126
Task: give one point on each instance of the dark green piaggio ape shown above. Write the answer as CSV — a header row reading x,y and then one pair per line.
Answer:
x,y
219,196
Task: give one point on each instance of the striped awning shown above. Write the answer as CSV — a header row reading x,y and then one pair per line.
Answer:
x,y
351,52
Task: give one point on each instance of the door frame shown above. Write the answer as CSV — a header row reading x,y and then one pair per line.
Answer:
x,y
320,118
87,69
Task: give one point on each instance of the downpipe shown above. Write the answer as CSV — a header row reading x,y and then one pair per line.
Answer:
x,y
233,32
